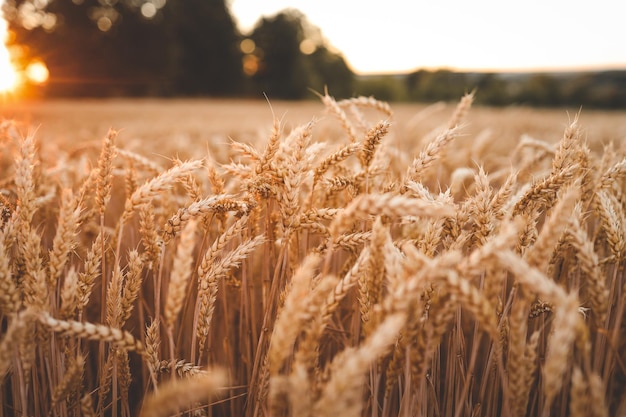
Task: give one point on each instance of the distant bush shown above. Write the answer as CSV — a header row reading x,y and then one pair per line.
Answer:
x,y
589,89
385,87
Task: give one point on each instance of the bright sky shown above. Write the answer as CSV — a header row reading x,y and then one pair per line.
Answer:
x,y
401,35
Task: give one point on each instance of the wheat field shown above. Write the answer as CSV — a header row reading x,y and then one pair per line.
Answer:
x,y
349,258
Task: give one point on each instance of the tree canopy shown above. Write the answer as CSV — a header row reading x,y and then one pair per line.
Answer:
x,y
165,48
293,58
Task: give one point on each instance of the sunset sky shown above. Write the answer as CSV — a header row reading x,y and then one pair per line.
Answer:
x,y
398,35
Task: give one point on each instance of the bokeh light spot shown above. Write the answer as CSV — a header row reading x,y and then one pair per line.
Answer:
x,y
37,72
104,24
40,4
49,21
307,47
250,65
148,10
247,46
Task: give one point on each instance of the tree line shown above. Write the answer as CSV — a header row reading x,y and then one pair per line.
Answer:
x,y
599,89
172,48
166,48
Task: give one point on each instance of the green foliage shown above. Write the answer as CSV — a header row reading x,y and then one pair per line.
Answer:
x,y
439,85
383,87
592,90
540,90
492,90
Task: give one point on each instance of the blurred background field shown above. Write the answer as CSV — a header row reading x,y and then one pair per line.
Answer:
x,y
188,128
498,145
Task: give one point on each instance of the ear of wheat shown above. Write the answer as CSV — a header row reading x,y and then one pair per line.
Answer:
x,y
317,271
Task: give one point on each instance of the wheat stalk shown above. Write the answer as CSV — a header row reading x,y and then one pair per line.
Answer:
x,y
91,331
177,394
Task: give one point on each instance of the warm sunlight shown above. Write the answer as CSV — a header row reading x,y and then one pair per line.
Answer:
x,y
9,79
37,72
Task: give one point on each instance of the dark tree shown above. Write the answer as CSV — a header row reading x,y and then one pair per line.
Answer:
x,y
609,89
330,70
142,63
541,90
292,58
442,84
205,48
282,71
578,89
491,90
382,87
65,38
131,47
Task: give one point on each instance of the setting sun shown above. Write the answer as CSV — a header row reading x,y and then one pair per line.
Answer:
x,y
9,78
13,77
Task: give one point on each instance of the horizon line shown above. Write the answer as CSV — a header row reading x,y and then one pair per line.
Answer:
x,y
514,70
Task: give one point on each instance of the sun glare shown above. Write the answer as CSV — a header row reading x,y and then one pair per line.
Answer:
x,y
9,78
